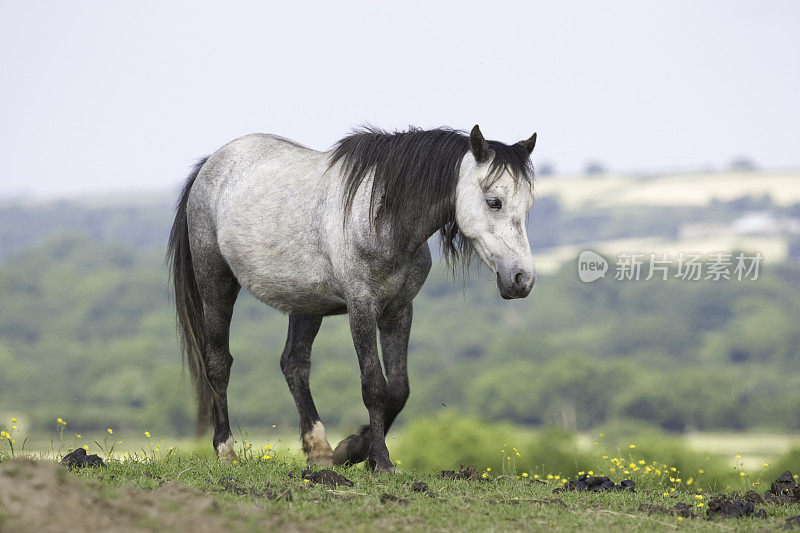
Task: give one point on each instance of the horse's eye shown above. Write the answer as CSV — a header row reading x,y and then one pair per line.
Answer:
x,y
494,203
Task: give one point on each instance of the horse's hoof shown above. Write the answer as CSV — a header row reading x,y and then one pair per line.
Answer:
x,y
387,470
351,450
225,451
228,458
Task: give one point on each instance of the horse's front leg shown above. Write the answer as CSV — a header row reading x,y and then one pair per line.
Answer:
x,y
395,328
363,327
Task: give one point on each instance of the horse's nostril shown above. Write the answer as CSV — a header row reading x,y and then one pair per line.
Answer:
x,y
518,278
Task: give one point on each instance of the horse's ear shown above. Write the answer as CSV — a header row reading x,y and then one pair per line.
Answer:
x,y
529,143
478,145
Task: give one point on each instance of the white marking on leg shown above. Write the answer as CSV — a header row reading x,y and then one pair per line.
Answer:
x,y
316,445
225,450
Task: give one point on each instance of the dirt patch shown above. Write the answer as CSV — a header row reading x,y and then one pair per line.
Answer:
x,y
727,507
233,486
597,484
464,472
389,498
326,477
43,496
783,490
79,459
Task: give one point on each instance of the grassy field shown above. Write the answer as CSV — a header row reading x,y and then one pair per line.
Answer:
x,y
690,189
181,491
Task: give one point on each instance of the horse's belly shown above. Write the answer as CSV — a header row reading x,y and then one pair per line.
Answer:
x,y
292,280
290,295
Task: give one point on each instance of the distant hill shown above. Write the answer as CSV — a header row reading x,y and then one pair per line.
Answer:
x,y
745,210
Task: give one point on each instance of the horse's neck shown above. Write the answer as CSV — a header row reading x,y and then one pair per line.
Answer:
x,y
407,240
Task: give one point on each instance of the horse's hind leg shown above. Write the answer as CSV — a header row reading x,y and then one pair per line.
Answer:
x,y
296,366
218,289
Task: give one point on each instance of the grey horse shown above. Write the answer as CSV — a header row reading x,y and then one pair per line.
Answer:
x,y
314,234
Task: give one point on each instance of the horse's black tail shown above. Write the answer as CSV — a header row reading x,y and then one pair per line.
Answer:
x,y
188,304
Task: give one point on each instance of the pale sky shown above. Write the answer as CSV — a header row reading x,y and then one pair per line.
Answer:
x,y
99,97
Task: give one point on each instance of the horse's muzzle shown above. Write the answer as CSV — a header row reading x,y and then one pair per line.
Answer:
x,y
515,283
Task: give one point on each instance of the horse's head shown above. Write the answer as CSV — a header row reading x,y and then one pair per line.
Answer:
x,y
492,201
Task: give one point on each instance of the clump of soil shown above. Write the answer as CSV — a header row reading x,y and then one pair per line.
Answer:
x,y
326,477
597,484
421,486
730,507
679,509
389,498
783,490
232,486
468,472
753,497
79,459
42,496
792,522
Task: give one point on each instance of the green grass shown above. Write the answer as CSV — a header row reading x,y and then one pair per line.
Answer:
x,y
497,503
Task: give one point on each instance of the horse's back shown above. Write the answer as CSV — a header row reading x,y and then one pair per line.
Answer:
x,y
265,198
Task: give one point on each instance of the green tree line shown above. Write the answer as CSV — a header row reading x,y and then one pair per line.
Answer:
x,y
87,332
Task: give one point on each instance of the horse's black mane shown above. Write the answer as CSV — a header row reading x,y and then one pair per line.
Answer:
x,y
416,173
